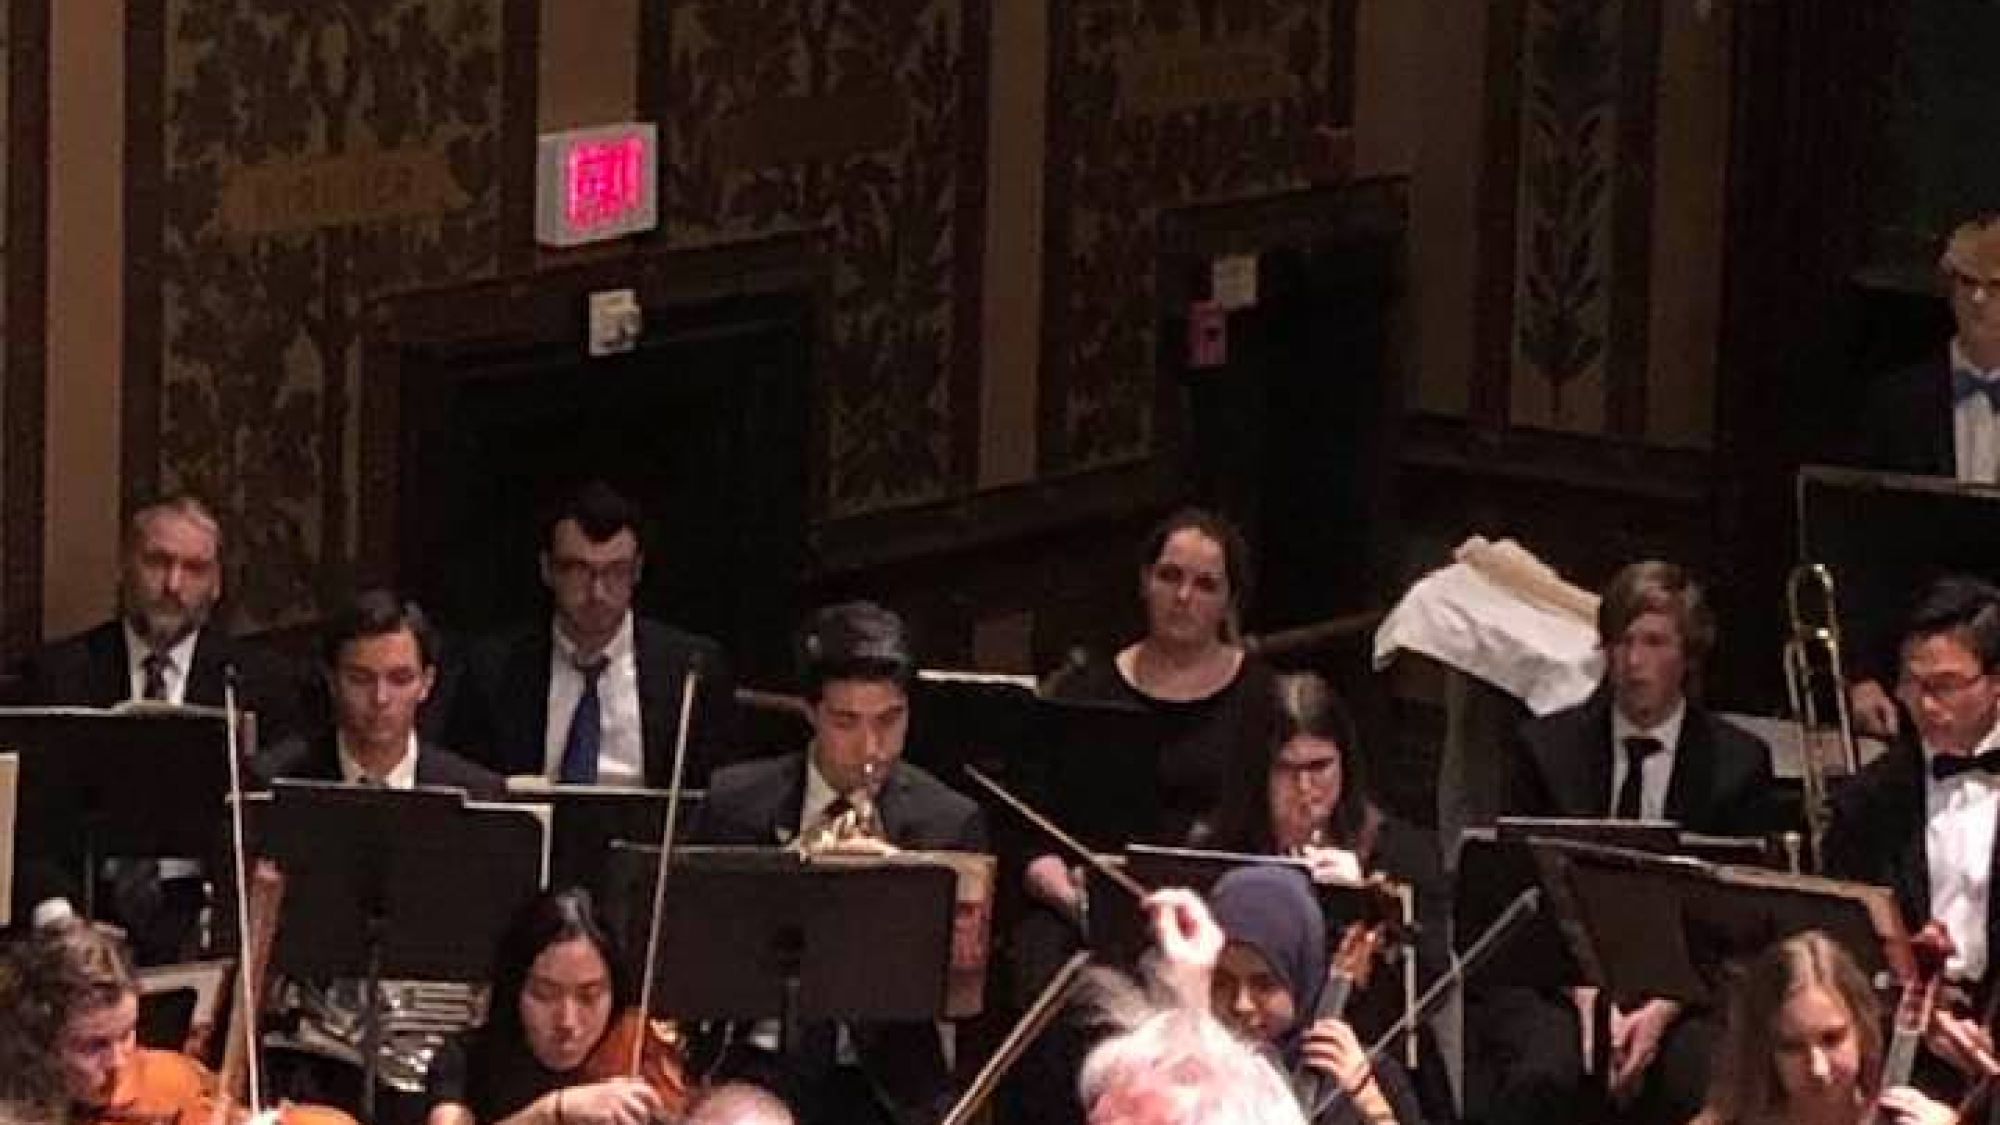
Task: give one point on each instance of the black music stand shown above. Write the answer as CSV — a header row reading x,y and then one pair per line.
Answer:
x,y
587,819
133,781
1886,536
1672,926
756,933
1495,865
1090,765
389,883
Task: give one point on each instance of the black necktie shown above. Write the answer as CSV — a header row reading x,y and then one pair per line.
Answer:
x,y
1637,749
1944,767
586,729
154,666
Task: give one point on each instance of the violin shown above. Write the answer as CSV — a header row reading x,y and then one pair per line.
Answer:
x,y
1362,944
661,1053
169,1088
1929,950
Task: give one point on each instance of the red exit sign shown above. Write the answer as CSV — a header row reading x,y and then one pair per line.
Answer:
x,y
596,184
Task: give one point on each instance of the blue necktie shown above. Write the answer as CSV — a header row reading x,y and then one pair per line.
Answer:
x,y
1965,385
586,729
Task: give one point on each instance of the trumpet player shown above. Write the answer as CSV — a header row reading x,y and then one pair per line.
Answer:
x,y
855,667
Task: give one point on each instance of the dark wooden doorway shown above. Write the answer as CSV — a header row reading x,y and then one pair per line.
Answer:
x,y
486,408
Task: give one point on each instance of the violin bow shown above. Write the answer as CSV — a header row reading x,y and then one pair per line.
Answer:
x,y
1110,871
668,830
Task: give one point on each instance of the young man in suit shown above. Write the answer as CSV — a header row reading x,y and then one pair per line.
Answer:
x,y
1638,749
1921,819
380,665
856,666
592,693
1939,417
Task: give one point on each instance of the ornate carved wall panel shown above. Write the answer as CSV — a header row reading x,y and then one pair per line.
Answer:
x,y
866,118
24,51
1156,104
288,163
1568,242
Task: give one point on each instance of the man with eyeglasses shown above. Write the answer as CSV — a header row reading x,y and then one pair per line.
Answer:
x,y
592,693
1940,417
1921,819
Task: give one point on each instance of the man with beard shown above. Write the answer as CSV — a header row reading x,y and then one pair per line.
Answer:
x,y
161,647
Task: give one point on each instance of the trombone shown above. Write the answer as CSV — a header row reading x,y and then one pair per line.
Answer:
x,y
1815,670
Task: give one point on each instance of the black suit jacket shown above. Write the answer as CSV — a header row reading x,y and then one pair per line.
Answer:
x,y
1721,784
318,759
1908,426
758,803
1877,836
92,669
498,710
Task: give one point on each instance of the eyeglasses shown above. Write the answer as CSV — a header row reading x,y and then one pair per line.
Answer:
x,y
1311,769
1939,688
617,575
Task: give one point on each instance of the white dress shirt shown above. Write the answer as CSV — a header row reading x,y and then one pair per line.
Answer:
x,y
180,658
402,775
621,749
1975,431
1657,771
1959,818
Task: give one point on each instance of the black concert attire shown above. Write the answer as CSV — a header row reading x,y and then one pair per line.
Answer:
x,y
318,759
898,1073
498,711
159,905
1523,1048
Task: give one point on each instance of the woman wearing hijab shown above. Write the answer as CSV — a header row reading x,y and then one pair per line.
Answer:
x,y
1267,986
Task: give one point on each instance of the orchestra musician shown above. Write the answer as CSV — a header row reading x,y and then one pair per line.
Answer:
x,y
1266,987
1804,1046
1210,698
1922,819
546,1055
855,667
1304,794
1939,417
162,646
1169,1061
380,662
69,1017
592,693
1638,748
1190,670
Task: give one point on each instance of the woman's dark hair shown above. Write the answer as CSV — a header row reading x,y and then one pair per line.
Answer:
x,y
1301,704
1235,554
504,1063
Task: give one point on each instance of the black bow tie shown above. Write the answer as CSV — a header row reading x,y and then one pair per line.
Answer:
x,y
1944,767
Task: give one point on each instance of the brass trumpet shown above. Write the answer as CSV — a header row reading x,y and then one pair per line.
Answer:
x,y
1814,671
855,829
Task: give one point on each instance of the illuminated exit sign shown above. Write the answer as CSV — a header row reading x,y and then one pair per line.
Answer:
x,y
595,184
